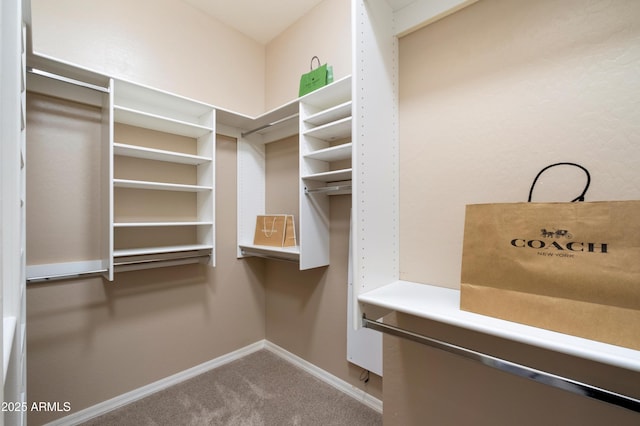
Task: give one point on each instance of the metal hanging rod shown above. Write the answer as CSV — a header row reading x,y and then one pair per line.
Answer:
x,y
282,120
75,82
520,370
333,188
159,260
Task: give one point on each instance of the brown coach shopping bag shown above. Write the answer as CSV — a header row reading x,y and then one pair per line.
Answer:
x,y
276,230
572,267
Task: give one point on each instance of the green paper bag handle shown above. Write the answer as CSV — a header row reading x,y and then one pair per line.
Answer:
x,y
319,63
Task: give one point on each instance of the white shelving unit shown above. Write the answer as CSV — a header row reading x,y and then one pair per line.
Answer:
x,y
156,114
324,126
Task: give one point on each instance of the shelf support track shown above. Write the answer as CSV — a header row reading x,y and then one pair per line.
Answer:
x,y
520,370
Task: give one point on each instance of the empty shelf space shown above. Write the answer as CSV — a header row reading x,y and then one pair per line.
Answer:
x,y
332,176
332,131
331,114
160,123
334,153
158,154
137,184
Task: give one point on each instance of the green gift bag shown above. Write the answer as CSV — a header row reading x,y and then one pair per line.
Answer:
x,y
316,78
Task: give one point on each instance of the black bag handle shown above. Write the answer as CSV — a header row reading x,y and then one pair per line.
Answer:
x,y
319,64
579,197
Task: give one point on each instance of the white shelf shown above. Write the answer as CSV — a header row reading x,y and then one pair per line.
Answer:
x,y
443,305
334,153
332,131
332,176
286,253
159,250
157,122
329,96
158,154
158,102
138,184
159,224
338,112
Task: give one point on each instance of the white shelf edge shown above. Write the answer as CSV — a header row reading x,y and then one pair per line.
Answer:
x,y
145,119
329,115
331,131
9,324
331,176
63,268
140,184
157,154
288,253
333,153
443,305
160,224
158,250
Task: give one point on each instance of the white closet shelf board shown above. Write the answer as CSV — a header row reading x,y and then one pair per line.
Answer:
x,y
329,96
334,153
160,123
287,253
410,15
332,176
332,131
136,96
443,305
284,116
159,250
158,224
158,154
46,63
136,184
331,114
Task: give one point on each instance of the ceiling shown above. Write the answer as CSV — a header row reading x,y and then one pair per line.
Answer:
x,y
261,20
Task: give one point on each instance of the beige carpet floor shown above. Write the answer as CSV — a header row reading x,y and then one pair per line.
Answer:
x,y
260,389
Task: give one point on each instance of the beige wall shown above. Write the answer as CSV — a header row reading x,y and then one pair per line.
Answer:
x,y
165,44
306,311
90,340
494,93
324,32
488,97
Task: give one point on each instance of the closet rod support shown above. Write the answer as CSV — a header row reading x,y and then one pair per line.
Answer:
x,y
75,82
520,370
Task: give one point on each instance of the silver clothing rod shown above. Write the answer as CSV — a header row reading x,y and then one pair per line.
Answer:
x,y
282,120
48,278
334,188
520,370
67,80
167,259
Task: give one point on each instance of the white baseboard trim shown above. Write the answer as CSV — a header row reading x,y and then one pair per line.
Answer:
x,y
144,391
326,377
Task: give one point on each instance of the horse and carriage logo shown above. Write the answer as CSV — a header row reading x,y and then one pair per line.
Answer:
x,y
555,233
